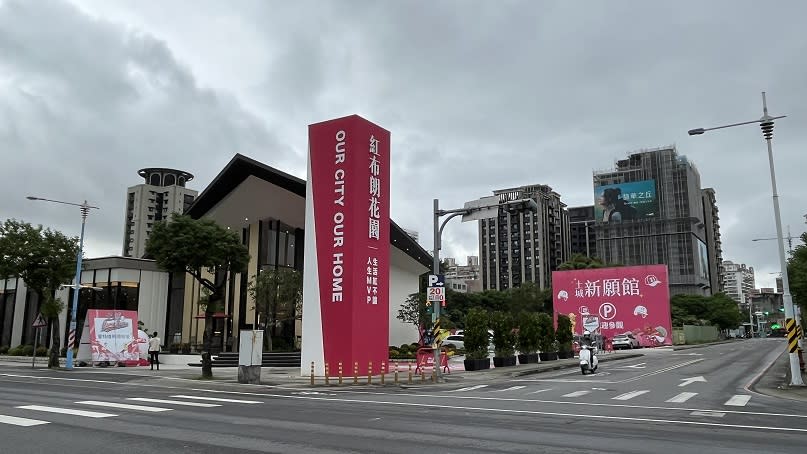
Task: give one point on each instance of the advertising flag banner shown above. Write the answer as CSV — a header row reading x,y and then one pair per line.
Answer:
x,y
610,301
347,246
113,335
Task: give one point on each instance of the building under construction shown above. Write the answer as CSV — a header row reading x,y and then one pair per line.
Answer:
x,y
651,209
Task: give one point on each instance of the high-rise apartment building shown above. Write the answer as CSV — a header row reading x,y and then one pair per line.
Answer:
x,y
583,238
650,210
519,246
162,194
714,245
738,281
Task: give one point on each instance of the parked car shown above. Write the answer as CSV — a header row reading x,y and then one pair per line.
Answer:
x,y
627,340
456,340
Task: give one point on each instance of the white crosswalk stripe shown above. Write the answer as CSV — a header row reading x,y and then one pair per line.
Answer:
x,y
469,388
67,411
630,395
512,388
681,398
25,422
173,402
577,394
219,399
123,406
738,400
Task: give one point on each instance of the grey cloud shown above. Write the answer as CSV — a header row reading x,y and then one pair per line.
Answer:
x,y
87,103
478,95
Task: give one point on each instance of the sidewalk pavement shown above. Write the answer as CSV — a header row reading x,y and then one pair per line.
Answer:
x,y
775,381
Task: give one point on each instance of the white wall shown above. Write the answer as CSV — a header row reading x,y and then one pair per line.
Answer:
x,y
152,302
402,284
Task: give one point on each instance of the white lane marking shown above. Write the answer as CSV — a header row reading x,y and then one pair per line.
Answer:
x,y
25,422
712,414
469,388
172,402
637,366
689,381
681,398
630,395
661,371
98,403
67,411
577,394
540,391
505,399
549,413
627,380
739,400
218,399
512,388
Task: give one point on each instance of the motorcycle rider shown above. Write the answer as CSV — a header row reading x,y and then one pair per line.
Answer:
x,y
588,343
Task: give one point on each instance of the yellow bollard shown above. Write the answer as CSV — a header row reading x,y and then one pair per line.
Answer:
x,y
340,372
312,373
422,376
410,373
327,380
370,373
355,373
434,375
383,371
396,372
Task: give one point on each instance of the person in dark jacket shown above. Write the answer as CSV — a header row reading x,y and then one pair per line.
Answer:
x,y
615,209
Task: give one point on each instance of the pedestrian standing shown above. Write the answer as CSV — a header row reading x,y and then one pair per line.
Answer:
x,y
154,351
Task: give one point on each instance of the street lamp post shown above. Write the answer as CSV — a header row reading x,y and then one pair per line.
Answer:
x,y
485,207
766,124
71,337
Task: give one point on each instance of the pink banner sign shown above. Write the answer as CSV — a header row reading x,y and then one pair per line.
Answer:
x,y
611,301
346,283
113,335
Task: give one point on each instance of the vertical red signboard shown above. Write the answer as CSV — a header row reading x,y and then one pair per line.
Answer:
x,y
346,277
610,301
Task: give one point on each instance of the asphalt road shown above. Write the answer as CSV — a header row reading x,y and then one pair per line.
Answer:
x,y
689,401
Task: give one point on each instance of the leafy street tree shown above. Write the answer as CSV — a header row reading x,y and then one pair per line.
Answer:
x,y
582,262
528,297
278,295
718,310
187,245
44,259
797,276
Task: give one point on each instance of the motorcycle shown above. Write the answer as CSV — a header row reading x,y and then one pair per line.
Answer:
x,y
588,359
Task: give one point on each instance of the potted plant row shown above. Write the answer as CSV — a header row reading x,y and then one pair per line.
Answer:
x,y
528,338
476,340
564,337
504,339
546,342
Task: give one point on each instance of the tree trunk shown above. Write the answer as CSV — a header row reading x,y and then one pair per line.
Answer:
x,y
55,349
213,302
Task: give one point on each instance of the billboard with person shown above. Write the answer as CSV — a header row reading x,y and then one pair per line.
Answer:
x,y
625,201
611,301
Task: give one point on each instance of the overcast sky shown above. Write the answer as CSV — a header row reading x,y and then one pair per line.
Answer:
x,y
478,95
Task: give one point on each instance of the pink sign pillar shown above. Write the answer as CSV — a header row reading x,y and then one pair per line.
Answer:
x,y
347,247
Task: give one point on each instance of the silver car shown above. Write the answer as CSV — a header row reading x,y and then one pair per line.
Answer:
x,y
627,340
